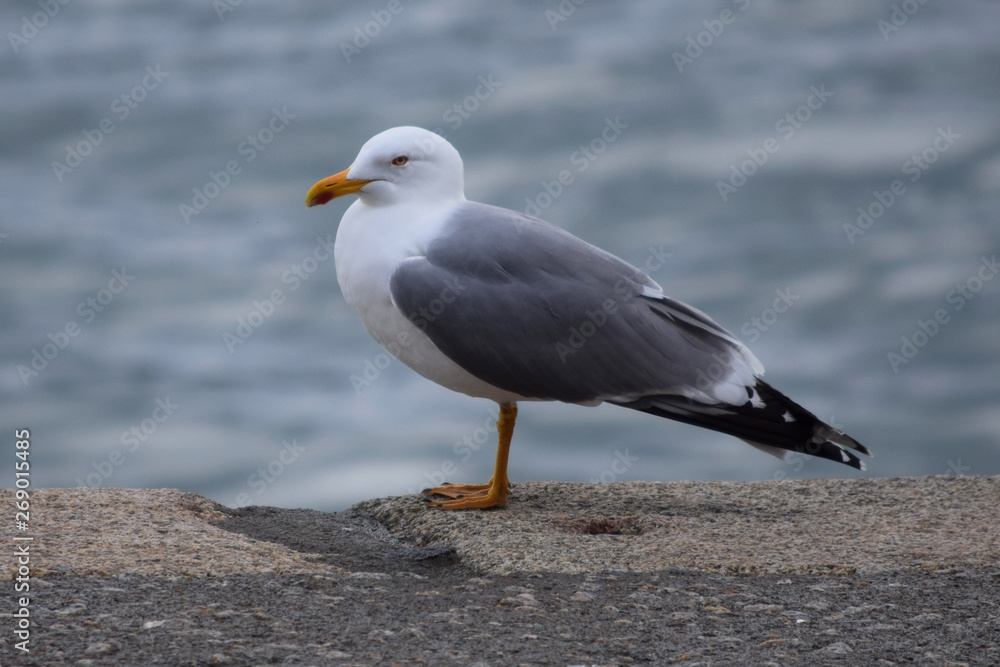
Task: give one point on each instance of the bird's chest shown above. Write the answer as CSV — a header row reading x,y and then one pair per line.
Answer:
x,y
365,262
364,280
367,252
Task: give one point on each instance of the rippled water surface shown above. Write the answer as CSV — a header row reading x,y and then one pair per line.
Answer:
x,y
822,178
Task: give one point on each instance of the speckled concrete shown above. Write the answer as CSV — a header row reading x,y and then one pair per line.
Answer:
x,y
161,532
131,576
803,527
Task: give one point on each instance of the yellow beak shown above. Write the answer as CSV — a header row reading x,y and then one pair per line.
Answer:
x,y
332,187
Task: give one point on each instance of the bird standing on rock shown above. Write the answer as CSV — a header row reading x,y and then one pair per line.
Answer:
x,y
496,304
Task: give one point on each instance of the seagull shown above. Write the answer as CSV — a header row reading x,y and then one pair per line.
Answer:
x,y
503,306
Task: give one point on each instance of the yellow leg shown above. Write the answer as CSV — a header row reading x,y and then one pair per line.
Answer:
x,y
494,492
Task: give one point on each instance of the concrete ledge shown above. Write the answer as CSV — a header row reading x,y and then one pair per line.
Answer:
x,y
157,532
801,527
789,527
599,575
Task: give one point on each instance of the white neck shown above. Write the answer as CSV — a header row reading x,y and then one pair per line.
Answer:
x,y
373,240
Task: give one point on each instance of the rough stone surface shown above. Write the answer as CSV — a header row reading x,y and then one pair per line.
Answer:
x,y
412,615
127,577
141,531
804,527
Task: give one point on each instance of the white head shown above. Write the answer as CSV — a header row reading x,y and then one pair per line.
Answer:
x,y
399,165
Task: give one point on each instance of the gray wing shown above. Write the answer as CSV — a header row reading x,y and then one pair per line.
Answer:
x,y
529,308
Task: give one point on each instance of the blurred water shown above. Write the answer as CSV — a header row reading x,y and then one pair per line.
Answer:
x,y
147,393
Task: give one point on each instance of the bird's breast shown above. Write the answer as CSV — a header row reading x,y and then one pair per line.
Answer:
x,y
370,245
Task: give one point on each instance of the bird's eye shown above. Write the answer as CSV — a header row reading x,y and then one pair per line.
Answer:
x,y
400,160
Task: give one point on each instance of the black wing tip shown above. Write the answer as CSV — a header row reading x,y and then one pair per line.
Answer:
x,y
825,433
847,458
835,445
768,426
